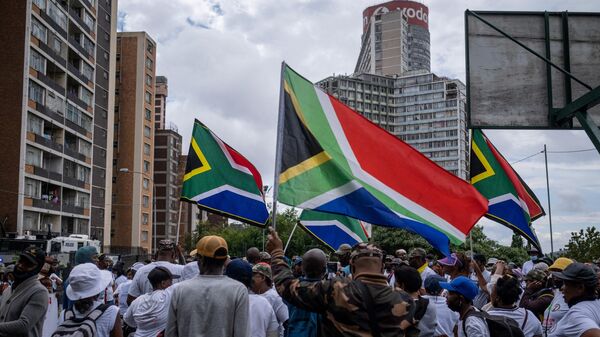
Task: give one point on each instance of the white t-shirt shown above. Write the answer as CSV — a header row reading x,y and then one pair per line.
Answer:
x,y
555,312
108,294
262,317
280,309
122,292
190,271
120,280
446,318
141,284
476,327
580,318
149,312
104,324
527,266
428,324
532,327
425,274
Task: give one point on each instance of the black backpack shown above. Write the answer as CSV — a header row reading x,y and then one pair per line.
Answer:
x,y
499,326
80,327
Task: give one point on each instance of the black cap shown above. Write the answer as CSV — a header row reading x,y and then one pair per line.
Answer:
x,y
35,255
577,272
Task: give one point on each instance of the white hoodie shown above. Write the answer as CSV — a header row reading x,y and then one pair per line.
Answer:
x,y
149,313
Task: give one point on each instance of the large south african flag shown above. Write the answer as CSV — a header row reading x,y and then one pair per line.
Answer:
x,y
335,160
511,201
220,180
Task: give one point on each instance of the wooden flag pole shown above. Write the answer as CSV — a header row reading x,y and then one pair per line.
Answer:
x,y
178,222
279,146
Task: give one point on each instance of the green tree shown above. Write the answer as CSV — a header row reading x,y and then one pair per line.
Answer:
x,y
584,246
517,241
391,239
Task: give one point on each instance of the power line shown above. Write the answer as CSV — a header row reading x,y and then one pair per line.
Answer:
x,y
533,155
573,151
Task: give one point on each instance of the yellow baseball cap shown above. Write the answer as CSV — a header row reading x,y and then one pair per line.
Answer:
x,y
560,264
212,246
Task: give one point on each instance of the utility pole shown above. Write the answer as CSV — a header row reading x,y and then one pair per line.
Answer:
x,y
549,208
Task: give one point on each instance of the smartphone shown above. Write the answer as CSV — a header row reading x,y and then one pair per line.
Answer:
x,y
332,267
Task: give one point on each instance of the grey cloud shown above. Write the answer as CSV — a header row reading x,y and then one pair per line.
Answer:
x,y
193,23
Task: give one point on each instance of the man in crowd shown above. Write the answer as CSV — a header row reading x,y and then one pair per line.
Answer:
x,y
579,290
425,319
401,254
104,264
461,292
558,308
253,255
446,318
363,305
537,296
123,289
481,276
262,284
417,260
534,256
165,257
87,254
210,304
343,255
263,322
23,306
303,323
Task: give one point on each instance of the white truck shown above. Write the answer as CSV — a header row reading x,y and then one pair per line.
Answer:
x,y
70,244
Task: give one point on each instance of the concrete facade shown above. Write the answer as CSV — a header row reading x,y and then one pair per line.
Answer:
x,y
167,151
133,147
58,60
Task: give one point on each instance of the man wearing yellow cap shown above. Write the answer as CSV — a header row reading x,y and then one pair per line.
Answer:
x,y
210,304
558,307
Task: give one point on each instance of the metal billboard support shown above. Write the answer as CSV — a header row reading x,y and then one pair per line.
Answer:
x,y
573,109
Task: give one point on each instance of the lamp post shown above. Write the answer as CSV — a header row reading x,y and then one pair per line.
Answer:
x,y
126,170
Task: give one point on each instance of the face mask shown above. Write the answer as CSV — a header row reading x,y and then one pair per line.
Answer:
x,y
533,258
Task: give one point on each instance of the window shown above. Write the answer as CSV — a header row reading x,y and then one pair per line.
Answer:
x,y
88,45
40,3
33,156
149,46
57,15
32,188
30,220
35,124
145,201
37,61
86,96
148,115
85,148
36,92
83,173
76,116
87,71
146,149
146,166
55,103
57,45
145,218
144,236
149,63
148,80
145,183
83,200
39,30
88,20
147,131
148,97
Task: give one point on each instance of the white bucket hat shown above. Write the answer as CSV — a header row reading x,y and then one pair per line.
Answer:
x,y
86,280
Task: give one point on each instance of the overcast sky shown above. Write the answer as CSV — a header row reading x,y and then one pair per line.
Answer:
x,y
222,61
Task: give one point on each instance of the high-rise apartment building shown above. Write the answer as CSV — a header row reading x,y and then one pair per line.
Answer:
x,y
167,151
395,38
190,213
160,102
426,111
58,61
133,147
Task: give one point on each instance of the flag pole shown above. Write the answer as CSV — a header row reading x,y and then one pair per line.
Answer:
x,y
549,209
279,146
178,222
290,238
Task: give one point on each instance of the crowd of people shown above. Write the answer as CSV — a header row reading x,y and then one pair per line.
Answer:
x,y
358,291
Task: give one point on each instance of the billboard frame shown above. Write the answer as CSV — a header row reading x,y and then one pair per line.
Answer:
x,y
558,118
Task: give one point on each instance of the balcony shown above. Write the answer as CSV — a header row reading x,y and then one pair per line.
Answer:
x,y
42,172
57,58
74,182
77,73
51,83
75,16
48,142
50,113
53,24
53,205
73,97
68,207
78,47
